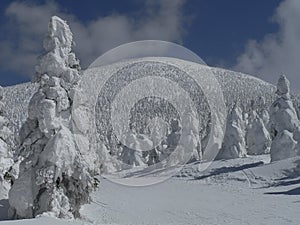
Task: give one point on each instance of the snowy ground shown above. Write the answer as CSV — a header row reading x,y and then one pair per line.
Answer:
x,y
240,191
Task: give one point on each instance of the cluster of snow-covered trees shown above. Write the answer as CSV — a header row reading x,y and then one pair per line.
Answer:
x,y
252,130
246,133
57,166
163,139
260,131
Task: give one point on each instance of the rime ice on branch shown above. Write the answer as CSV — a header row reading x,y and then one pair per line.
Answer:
x,y
55,176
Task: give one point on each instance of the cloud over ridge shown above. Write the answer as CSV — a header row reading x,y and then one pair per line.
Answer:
x,y
278,52
27,26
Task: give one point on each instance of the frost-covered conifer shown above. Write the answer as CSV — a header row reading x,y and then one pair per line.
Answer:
x,y
257,137
262,111
131,154
190,135
234,145
171,143
284,123
55,174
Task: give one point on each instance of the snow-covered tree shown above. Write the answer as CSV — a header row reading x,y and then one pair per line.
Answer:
x,y
157,131
262,111
284,123
190,135
55,176
171,143
6,155
257,137
131,154
234,145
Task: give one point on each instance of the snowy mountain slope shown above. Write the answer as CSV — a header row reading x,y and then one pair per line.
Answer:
x,y
244,87
16,100
236,87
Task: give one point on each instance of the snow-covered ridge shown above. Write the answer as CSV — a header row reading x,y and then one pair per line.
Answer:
x,y
16,100
237,87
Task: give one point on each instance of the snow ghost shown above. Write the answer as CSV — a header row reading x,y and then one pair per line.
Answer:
x,y
55,174
190,132
262,112
257,137
234,145
284,123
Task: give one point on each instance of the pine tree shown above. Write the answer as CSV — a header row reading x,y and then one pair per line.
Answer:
x,y
284,123
131,154
190,135
171,143
234,145
257,137
262,112
55,176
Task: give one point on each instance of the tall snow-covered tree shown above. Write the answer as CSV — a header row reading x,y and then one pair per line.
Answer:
x,y
6,155
284,123
190,135
131,154
171,143
55,176
257,136
234,145
156,135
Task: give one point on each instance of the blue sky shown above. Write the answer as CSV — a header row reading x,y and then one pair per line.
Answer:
x,y
247,36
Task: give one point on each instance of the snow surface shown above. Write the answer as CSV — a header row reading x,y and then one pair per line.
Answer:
x,y
238,192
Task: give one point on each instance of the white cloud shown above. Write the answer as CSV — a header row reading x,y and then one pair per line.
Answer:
x,y
27,27
279,52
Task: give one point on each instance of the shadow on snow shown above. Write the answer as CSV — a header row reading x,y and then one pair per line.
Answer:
x,y
230,169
